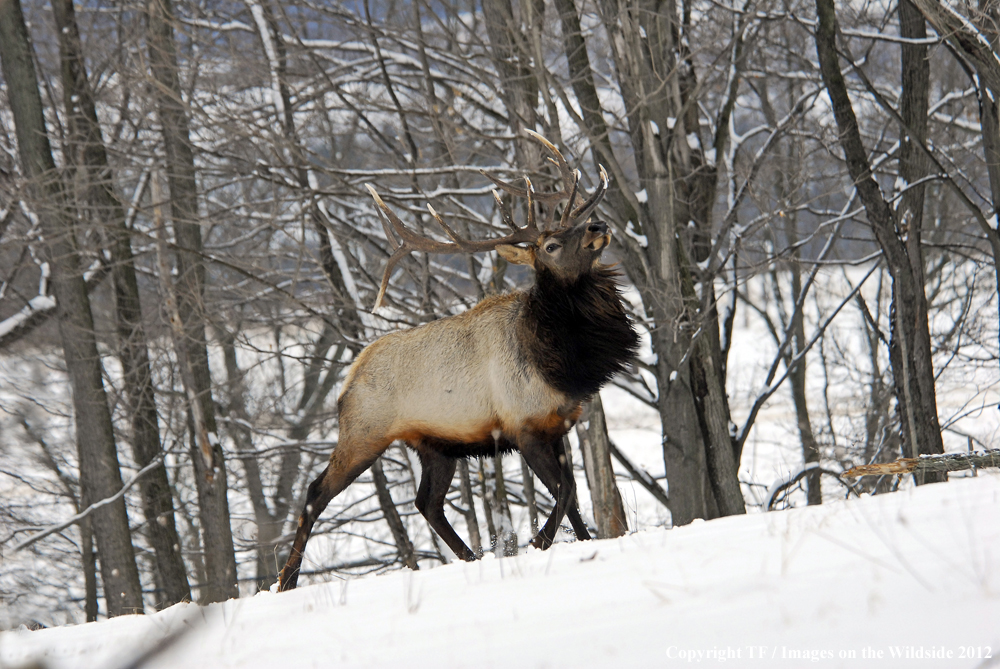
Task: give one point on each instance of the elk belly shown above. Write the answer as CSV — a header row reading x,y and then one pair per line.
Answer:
x,y
450,408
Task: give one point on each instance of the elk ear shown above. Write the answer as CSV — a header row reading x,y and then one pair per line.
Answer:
x,y
517,255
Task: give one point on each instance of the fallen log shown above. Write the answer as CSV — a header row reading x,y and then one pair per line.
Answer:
x,y
948,462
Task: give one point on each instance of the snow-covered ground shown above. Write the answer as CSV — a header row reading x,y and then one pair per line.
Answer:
x,y
885,581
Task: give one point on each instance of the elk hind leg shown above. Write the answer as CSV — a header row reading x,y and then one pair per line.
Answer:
x,y
437,472
344,467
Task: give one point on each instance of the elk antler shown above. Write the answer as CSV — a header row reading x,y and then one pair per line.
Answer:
x,y
414,242
411,241
571,181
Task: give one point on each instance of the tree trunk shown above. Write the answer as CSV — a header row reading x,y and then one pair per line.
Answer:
x,y
722,450
243,440
100,476
528,485
966,35
657,81
713,415
270,523
391,514
518,85
469,502
609,511
505,522
989,121
220,559
797,378
87,148
270,518
88,560
489,502
910,346
683,447
797,375
881,442
679,186
913,166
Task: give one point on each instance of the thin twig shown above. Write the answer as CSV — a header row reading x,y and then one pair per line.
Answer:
x,y
158,462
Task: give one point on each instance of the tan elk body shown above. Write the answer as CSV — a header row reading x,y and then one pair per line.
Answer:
x,y
487,387
509,374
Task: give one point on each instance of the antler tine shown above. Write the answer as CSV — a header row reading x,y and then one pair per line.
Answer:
x,y
570,178
451,233
504,212
565,171
411,241
401,251
414,242
584,211
531,205
386,228
508,187
566,218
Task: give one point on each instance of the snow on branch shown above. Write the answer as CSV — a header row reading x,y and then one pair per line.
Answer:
x,y
39,307
949,462
43,306
34,312
38,536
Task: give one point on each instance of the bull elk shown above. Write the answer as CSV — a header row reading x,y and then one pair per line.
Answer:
x,y
509,374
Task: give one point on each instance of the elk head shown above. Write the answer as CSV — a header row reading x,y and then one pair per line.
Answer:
x,y
566,251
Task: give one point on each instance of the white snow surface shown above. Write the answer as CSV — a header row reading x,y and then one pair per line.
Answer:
x,y
912,573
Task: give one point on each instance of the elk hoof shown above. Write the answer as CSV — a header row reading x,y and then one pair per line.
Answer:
x,y
541,543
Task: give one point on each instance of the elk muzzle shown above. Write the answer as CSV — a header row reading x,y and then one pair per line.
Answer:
x,y
597,236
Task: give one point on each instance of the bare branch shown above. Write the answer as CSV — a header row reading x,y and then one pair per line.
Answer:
x,y
158,462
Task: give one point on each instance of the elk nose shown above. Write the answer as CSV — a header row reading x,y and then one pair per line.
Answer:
x,y
598,227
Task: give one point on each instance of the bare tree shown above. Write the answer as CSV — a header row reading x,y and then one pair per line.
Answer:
x,y
207,454
609,511
100,476
911,343
86,145
974,44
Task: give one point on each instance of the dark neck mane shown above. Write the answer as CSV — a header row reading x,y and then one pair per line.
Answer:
x,y
577,335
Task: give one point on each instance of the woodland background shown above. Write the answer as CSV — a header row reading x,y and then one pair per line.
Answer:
x,y
188,257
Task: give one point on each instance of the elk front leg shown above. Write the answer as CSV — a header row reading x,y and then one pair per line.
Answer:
x,y
543,456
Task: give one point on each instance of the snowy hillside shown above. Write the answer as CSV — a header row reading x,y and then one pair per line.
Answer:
x,y
883,581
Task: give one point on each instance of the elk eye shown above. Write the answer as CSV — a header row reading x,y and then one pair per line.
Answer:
x,y
552,248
